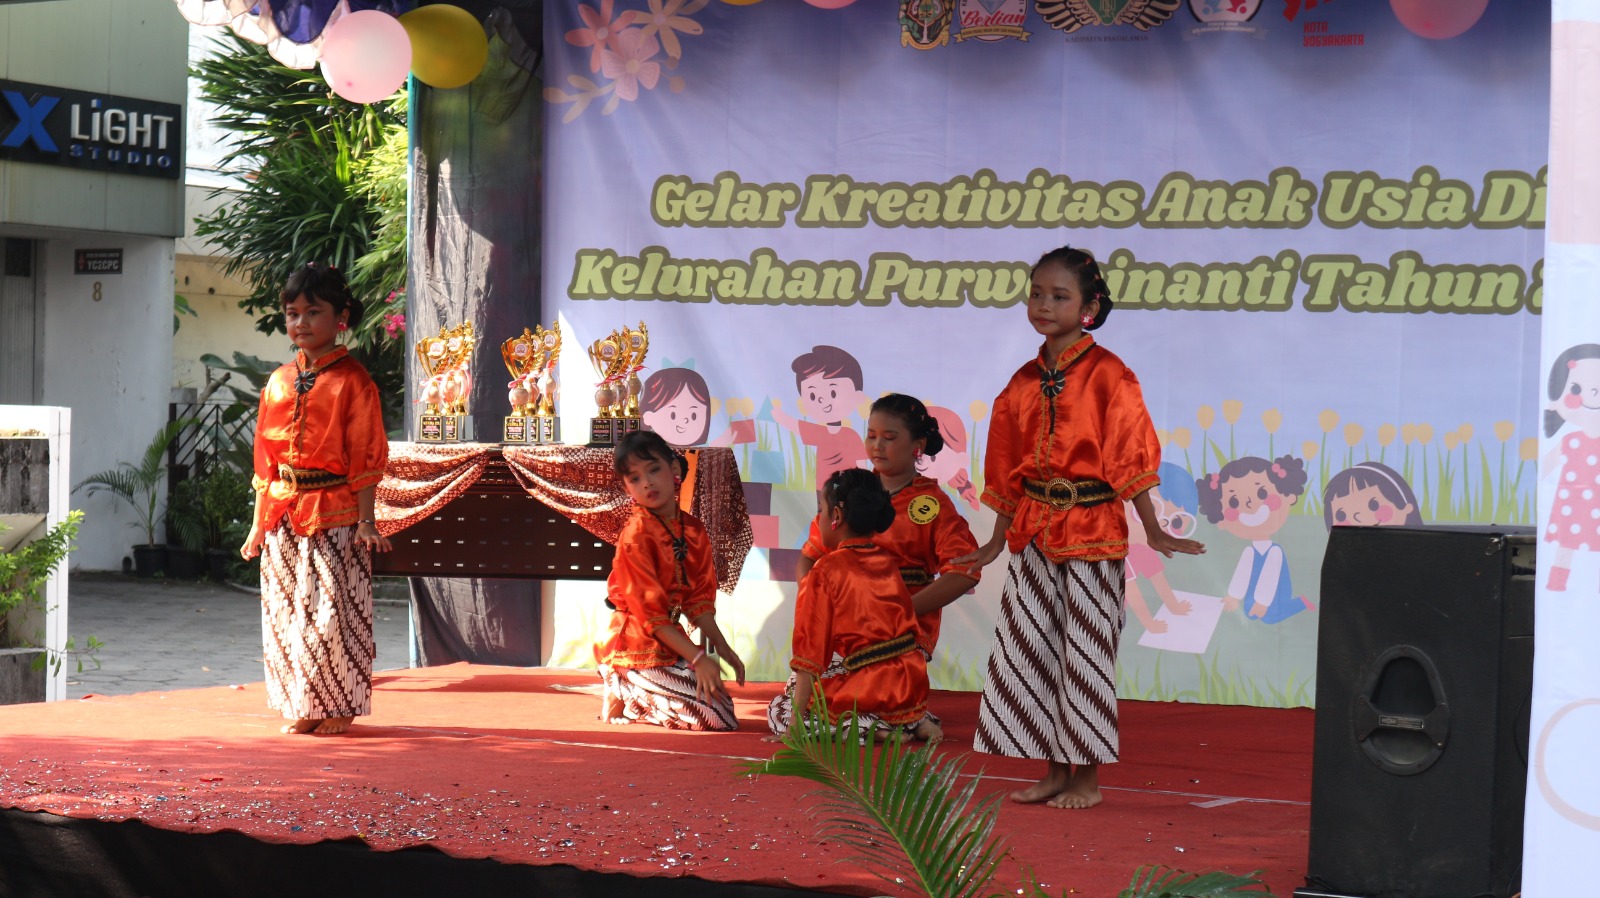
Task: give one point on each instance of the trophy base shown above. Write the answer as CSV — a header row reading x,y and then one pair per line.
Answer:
x,y
629,425
444,429
430,429
606,432
547,430
519,430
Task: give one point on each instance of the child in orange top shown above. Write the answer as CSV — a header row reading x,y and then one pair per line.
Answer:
x,y
1069,438
928,533
854,630
653,671
320,451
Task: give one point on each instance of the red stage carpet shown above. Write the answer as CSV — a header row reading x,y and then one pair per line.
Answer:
x,y
502,764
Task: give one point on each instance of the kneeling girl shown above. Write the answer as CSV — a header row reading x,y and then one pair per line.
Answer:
x,y
663,571
854,629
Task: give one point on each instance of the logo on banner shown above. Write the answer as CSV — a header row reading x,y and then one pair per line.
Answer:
x,y
925,24
1224,15
992,20
1068,16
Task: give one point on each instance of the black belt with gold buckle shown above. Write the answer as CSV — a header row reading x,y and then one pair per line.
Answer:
x,y
883,651
1062,494
302,479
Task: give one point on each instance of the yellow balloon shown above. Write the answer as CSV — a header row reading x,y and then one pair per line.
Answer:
x,y
448,45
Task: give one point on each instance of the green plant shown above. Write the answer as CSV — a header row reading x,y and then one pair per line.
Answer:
x,y
23,573
903,812
203,510
139,485
319,179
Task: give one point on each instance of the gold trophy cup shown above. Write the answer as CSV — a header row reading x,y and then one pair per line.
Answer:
x,y
544,414
523,358
609,356
637,343
431,355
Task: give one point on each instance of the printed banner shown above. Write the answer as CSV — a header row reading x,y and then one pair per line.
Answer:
x,y
1563,798
1322,225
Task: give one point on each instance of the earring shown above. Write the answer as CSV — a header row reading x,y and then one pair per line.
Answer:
x,y
1086,319
916,453
343,327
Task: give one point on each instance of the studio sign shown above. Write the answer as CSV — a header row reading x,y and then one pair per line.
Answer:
x,y
78,129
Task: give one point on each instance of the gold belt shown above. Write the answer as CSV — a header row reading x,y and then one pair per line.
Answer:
x,y
1062,494
308,478
914,577
883,651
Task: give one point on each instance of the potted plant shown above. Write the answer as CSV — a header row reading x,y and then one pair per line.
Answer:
x,y
186,530
139,485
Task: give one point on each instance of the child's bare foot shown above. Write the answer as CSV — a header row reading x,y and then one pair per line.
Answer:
x,y
1054,783
1077,796
929,732
299,727
333,726
611,710
771,738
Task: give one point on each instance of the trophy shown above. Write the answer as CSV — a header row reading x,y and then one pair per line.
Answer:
x,y
431,355
636,343
609,357
547,389
447,359
524,360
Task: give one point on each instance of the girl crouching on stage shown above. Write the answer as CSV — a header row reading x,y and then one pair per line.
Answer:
x,y
320,451
854,630
663,570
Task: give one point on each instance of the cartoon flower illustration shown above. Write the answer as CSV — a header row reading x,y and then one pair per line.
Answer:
x,y
602,32
630,65
664,20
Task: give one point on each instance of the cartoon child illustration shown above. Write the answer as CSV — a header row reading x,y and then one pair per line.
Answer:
x,y
829,381
950,465
677,404
1574,413
1251,498
1176,502
1369,495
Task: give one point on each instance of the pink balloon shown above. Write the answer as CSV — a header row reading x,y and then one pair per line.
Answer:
x,y
365,56
830,4
1438,19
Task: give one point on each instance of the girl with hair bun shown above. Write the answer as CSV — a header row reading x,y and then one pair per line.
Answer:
x,y
1070,440
661,576
1251,498
854,632
320,451
928,533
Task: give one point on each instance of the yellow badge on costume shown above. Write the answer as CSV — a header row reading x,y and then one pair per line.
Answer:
x,y
923,509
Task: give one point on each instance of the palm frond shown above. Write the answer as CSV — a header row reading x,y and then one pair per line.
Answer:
x,y
1158,881
903,812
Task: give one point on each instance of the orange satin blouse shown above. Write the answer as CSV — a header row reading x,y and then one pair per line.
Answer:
x,y
335,426
1101,431
852,600
928,533
651,590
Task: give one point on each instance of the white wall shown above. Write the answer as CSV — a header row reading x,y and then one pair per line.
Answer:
x,y
110,361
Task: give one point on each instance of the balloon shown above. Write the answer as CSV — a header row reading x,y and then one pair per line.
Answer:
x,y
365,56
1438,19
830,4
448,45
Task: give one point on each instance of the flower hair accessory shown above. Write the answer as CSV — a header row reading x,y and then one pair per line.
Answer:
x,y
1571,364
1215,480
1278,470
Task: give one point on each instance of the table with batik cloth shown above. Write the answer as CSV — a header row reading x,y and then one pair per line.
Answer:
x,y
539,512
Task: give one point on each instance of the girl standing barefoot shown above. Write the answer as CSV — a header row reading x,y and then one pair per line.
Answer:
x,y
320,451
1069,438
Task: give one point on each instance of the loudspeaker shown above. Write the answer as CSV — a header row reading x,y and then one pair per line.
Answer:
x,y
1424,687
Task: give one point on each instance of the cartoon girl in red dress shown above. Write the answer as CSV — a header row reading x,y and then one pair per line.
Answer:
x,y
1574,414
